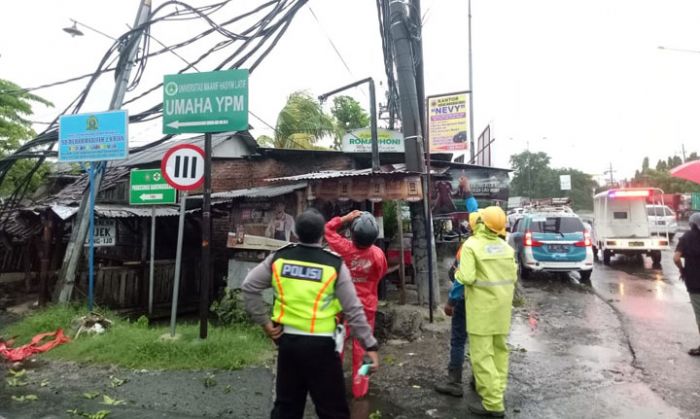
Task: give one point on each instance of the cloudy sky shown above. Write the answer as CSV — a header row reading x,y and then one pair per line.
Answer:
x,y
582,80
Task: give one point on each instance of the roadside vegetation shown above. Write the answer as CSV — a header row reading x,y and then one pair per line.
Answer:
x,y
138,345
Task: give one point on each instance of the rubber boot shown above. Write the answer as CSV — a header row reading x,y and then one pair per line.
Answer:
x,y
453,385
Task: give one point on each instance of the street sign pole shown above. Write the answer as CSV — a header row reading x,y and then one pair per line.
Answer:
x,y
91,235
151,267
206,238
178,263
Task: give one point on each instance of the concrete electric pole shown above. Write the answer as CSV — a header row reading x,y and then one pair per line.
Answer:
x,y
66,278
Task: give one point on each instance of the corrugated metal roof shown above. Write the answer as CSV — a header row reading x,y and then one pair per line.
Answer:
x,y
218,145
389,169
258,192
74,192
120,211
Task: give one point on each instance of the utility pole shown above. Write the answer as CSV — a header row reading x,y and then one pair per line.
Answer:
x,y
409,78
610,172
683,151
471,87
66,279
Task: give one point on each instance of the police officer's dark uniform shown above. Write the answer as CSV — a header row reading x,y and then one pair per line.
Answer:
x,y
311,286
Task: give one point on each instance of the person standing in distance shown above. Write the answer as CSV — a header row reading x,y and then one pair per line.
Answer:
x,y
688,251
311,286
368,266
488,271
454,308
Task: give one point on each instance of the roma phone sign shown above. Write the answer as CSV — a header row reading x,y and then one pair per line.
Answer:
x,y
215,101
93,137
183,167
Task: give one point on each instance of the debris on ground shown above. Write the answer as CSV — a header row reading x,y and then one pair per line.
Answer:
x,y
92,324
33,347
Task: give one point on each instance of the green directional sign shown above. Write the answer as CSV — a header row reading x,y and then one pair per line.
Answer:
x,y
148,187
216,101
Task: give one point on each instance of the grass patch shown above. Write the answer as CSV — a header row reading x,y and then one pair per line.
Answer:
x,y
137,345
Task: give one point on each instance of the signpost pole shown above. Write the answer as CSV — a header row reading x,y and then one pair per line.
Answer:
x,y
151,266
178,262
206,238
91,235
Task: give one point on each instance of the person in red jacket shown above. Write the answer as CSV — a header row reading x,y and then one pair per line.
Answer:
x,y
368,266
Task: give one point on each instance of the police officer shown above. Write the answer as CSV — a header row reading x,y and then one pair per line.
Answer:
x,y
487,269
311,286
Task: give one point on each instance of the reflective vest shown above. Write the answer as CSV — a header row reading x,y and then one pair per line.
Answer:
x,y
303,280
489,294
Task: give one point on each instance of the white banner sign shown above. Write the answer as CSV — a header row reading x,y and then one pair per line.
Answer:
x,y
105,232
360,141
565,181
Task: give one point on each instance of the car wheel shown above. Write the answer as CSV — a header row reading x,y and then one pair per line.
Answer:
x,y
656,257
585,275
607,255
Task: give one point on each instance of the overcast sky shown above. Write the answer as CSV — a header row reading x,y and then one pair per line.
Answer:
x,y
582,80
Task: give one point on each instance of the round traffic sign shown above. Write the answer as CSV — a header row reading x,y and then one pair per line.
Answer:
x,y
183,167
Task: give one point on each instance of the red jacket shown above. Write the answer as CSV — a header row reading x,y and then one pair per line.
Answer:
x,y
367,266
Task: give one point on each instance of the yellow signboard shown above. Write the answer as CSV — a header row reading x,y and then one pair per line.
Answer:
x,y
448,122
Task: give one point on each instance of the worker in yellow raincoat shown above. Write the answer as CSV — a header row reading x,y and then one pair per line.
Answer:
x,y
487,269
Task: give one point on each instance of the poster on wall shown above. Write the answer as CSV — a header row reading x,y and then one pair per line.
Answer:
x,y
448,122
486,185
105,232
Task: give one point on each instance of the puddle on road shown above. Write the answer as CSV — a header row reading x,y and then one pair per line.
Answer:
x,y
596,353
523,336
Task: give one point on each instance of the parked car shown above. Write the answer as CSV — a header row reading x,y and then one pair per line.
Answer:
x,y
553,241
662,220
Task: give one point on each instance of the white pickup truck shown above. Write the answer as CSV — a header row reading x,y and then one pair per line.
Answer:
x,y
621,223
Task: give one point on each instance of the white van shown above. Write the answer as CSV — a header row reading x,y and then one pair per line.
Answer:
x,y
621,223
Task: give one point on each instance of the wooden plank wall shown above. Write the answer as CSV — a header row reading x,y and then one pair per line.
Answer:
x,y
119,287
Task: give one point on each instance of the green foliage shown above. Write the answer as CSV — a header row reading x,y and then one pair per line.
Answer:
x,y
15,107
349,115
661,178
265,141
302,123
133,346
536,179
15,128
229,310
389,211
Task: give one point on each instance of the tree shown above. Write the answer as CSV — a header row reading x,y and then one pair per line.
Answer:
x,y
532,173
302,123
15,128
265,141
536,179
349,115
661,178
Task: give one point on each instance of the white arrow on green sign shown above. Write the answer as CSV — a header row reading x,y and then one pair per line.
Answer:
x,y
215,101
148,187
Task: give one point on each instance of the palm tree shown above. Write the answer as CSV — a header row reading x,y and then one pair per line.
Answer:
x,y
302,123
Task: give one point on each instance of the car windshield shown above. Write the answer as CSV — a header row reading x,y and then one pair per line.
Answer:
x,y
557,225
659,211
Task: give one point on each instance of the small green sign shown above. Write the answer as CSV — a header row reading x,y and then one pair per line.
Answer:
x,y
148,187
216,101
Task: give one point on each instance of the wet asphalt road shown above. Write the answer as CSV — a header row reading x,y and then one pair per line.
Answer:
x,y
614,348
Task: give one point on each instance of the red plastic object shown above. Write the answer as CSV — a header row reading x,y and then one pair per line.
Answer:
x,y
33,347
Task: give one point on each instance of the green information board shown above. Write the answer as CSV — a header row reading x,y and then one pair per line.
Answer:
x,y
148,187
215,101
